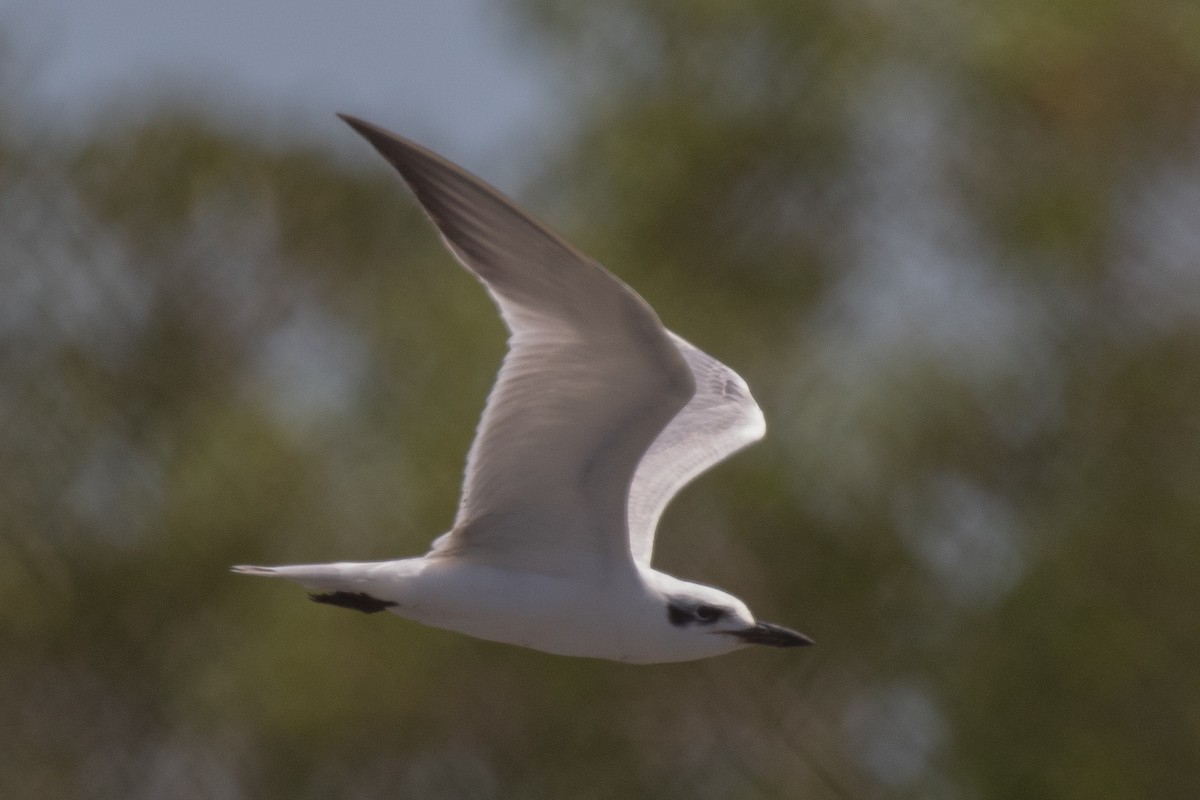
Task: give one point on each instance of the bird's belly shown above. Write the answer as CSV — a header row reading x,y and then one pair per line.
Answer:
x,y
564,616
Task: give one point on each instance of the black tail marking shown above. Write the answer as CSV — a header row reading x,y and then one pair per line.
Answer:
x,y
359,601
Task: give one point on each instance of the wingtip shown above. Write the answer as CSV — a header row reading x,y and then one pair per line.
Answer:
x,y
392,146
372,133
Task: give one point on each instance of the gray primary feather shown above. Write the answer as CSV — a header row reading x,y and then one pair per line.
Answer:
x,y
599,414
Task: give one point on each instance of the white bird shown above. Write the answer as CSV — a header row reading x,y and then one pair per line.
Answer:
x,y
599,415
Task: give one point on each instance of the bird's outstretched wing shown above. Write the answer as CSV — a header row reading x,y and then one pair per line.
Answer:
x,y
590,380
720,419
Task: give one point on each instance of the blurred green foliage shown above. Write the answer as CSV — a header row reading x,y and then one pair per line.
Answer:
x,y
953,247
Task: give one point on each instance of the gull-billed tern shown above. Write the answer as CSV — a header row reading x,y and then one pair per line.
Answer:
x,y
599,415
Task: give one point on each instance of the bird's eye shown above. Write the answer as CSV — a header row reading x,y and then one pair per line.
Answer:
x,y
708,613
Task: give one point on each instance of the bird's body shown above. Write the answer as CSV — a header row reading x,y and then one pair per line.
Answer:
x,y
598,417
625,618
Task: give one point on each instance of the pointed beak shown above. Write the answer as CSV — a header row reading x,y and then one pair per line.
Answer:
x,y
773,635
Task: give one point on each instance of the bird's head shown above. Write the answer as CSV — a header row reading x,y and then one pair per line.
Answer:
x,y
717,620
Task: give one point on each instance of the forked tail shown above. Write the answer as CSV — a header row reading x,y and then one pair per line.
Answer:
x,y
327,583
247,569
310,576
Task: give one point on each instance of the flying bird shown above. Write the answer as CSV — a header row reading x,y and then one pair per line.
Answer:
x,y
598,417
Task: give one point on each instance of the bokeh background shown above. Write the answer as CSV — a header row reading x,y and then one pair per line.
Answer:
x,y
953,246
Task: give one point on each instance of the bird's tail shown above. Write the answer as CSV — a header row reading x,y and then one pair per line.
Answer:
x,y
347,585
314,577
248,569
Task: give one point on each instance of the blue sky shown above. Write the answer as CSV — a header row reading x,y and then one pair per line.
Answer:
x,y
453,73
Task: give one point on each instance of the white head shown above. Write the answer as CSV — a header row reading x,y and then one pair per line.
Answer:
x,y
701,621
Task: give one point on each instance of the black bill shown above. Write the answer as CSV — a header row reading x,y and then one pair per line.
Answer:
x,y
772,635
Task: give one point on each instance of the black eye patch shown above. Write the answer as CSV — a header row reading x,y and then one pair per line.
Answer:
x,y
678,615
684,613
